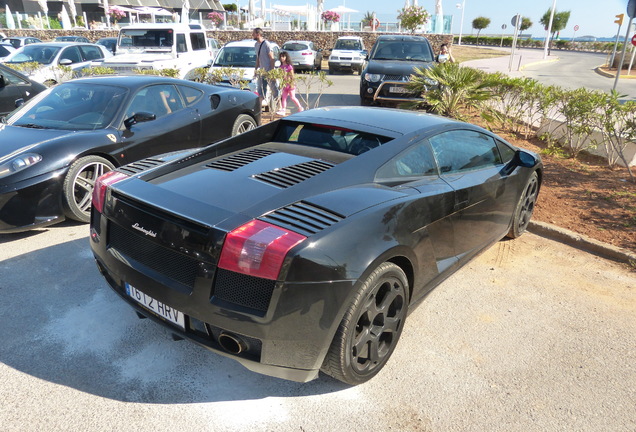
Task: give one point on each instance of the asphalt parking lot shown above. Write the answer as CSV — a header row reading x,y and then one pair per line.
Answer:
x,y
533,335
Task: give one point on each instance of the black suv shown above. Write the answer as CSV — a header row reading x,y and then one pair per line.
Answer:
x,y
390,65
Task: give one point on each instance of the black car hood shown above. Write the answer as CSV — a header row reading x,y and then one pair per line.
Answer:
x,y
392,67
216,190
15,138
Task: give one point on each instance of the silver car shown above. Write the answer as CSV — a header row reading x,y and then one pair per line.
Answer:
x,y
303,55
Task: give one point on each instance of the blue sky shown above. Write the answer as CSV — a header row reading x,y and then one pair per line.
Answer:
x,y
593,17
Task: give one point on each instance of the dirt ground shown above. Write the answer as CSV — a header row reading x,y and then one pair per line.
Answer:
x,y
584,195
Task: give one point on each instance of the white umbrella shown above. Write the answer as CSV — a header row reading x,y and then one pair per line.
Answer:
x,y
342,10
9,17
185,11
66,20
439,17
71,7
320,6
45,8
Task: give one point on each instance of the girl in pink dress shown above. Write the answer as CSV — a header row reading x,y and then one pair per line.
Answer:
x,y
290,87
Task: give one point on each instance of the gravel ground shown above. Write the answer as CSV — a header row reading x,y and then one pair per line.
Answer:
x,y
533,335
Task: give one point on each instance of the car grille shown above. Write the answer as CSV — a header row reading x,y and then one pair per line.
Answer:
x,y
397,78
346,58
303,217
167,262
140,166
243,290
294,174
236,161
127,69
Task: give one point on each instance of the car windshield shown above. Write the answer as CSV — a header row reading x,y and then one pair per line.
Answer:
x,y
402,50
163,38
295,46
347,44
71,106
44,54
4,51
65,39
15,42
236,56
328,137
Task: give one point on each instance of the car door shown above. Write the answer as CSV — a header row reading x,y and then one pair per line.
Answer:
x,y
91,53
427,217
176,126
12,88
470,162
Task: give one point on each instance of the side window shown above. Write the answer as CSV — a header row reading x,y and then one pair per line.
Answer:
x,y
72,53
181,43
416,161
10,78
159,100
464,150
91,52
198,41
507,153
190,95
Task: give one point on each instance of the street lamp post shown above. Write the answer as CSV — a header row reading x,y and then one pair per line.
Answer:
x,y
461,22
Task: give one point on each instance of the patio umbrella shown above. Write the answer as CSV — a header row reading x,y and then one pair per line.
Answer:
x,y
45,8
66,20
439,18
320,4
9,17
343,10
71,8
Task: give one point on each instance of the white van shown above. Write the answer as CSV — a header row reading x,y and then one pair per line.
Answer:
x,y
160,46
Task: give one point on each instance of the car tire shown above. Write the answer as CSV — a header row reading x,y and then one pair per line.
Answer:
x,y
78,186
371,327
525,207
243,123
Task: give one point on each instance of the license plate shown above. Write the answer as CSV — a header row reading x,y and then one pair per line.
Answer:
x,y
345,64
398,90
164,311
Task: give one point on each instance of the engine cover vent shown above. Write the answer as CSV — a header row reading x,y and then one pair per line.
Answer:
x,y
294,174
236,161
303,217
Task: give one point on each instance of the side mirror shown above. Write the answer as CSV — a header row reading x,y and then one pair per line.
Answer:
x,y
525,159
139,117
3,83
65,62
19,102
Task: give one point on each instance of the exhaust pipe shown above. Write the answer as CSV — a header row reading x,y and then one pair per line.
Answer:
x,y
231,343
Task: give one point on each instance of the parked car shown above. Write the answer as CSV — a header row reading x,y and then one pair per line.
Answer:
x,y
110,43
348,54
20,41
53,54
55,146
15,89
214,46
313,235
391,63
71,39
242,56
303,55
6,49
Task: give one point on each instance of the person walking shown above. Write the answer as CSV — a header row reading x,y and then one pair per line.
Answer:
x,y
289,89
264,61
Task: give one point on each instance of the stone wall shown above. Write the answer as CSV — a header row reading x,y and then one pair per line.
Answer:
x,y
322,40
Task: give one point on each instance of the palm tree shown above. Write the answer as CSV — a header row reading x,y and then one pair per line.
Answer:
x,y
367,19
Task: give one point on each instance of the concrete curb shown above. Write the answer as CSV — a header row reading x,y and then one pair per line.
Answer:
x,y
601,72
582,242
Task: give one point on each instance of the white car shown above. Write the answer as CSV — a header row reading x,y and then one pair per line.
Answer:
x,y
347,55
303,55
51,55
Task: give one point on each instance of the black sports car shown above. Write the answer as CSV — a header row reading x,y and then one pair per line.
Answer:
x,y
301,245
15,88
53,148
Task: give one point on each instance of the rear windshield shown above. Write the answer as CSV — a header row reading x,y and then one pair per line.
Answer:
x,y
328,137
236,57
295,46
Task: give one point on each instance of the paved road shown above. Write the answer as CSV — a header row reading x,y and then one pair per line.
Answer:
x,y
500,346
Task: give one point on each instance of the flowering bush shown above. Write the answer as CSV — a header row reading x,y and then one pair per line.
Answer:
x,y
413,16
216,18
116,13
329,16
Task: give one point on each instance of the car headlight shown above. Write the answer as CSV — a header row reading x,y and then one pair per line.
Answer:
x,y
333,58
372,77
19,163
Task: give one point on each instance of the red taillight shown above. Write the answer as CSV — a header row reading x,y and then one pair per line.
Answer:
x,y
307,53
258,249
101,185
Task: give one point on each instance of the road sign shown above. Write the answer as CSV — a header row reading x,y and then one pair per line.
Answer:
x,y
516,18
619,19
503,26
631,9
576,28
634,40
